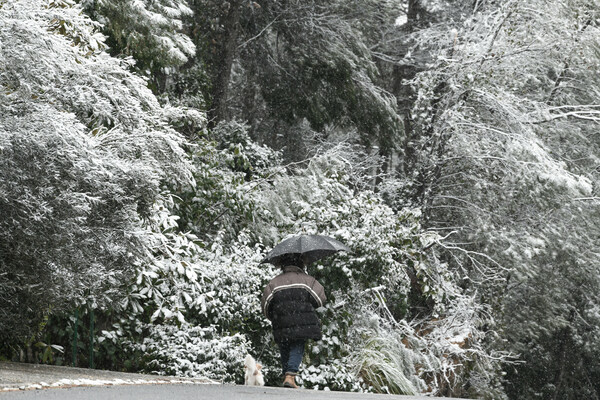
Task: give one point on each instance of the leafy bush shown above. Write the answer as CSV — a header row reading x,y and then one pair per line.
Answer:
x,y
191,351
84,150
334,375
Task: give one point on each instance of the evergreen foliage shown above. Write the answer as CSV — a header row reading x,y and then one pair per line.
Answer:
x,y
151,153
84,148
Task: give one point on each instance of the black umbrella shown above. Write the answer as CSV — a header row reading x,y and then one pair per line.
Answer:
x,y
305,248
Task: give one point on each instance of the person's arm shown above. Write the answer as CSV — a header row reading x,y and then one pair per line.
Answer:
x,y
266,299
318,293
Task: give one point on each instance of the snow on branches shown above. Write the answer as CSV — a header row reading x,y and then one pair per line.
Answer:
x,y
85,148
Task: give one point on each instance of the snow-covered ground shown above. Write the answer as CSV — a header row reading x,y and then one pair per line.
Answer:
x,y
18,376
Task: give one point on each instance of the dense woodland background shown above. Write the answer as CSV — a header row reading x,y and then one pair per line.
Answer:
x,y
151,152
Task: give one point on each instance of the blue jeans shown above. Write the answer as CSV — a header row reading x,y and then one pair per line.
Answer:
x,y
291,352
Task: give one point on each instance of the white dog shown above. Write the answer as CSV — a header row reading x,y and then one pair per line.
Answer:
x,y
253,376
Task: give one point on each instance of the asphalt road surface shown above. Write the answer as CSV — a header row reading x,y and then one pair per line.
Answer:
x,y
30,381
191,391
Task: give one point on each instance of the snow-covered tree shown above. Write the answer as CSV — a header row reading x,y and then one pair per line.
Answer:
x,y
280,66
84,150
507,167
152,32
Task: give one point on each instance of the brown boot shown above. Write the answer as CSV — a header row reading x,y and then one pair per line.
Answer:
x,y
290,381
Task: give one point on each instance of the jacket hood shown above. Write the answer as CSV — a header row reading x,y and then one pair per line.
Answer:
x,y
293,268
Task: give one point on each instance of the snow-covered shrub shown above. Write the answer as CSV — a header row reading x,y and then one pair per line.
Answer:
x,y
204,292
226,163
205,267
362,356
381,364
84,149
240,152
191,351
389,278
337,374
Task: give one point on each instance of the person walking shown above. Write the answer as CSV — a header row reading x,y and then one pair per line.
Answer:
x,y
289,301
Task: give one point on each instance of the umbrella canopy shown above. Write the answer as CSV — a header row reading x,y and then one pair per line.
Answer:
x,y
304,248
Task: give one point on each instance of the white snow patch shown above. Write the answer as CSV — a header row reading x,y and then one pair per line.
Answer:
x,y
108,382
401,20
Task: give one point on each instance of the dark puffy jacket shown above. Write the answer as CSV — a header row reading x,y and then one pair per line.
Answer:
x,y
290,300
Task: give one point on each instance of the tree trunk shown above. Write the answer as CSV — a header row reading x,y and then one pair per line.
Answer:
x,y
582,367
30,358
416,12
561,372
226,52
560,375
